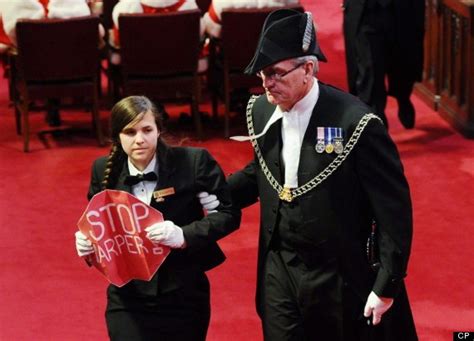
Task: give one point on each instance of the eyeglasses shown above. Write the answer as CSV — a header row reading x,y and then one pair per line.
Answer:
x,y
275,76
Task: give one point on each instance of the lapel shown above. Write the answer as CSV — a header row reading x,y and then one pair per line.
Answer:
x,y
270,146
121,180
166,169
166,166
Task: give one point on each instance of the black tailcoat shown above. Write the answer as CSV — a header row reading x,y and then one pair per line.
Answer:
x,y
337,214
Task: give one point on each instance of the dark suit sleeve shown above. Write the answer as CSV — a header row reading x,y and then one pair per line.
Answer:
x,y
382,178
210,178
243,185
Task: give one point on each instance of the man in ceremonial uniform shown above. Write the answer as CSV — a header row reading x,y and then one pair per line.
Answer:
x,y
324,169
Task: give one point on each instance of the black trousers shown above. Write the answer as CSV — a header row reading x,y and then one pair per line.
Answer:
x,y
376,58
300,303
179,315
303,304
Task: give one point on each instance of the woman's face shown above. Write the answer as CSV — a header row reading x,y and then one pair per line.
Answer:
x,y
139,140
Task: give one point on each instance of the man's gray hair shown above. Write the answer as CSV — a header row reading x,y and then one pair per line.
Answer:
x,y
304,59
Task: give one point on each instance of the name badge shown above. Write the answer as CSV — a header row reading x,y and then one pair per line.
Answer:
x,y
162,193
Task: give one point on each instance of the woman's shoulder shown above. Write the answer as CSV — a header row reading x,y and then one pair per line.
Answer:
x,y
99,163
188,154
191,150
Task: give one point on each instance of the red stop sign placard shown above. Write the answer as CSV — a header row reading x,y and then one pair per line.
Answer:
x,y
115,223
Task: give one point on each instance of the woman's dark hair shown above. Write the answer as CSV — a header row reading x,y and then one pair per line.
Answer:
x,y
126,111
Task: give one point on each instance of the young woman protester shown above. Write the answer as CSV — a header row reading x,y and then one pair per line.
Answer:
x,y
140,162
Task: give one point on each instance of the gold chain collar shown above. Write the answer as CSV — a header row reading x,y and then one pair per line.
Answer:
x,y
288,194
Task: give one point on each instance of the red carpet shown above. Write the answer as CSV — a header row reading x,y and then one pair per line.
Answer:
x,y
47,293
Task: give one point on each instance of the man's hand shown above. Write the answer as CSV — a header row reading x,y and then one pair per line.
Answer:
x,y
166,233
377,306
208,201
83,245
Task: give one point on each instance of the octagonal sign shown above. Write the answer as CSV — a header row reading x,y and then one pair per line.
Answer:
x,y
115,222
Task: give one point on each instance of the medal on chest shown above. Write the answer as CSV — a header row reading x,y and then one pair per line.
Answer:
x,y
329,140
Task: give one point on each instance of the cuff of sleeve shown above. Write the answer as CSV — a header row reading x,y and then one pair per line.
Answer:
x,y
188,237
387,285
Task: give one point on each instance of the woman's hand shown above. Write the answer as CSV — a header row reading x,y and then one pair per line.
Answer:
x,y
166,233
83,245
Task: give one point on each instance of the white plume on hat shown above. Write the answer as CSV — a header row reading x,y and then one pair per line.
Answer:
x,y
308,31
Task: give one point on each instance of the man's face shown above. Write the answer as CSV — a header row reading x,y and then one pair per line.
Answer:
x,y
284,83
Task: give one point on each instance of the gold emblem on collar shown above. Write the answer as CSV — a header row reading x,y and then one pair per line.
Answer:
x,y
285,194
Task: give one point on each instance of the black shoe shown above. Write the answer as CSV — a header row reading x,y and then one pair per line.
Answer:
x,y
406,113
53,119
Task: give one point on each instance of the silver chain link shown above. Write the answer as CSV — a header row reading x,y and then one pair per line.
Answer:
x,y
318,179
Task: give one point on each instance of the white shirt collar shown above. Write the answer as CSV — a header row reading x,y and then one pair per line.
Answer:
x,y
293,128
300,114
308,102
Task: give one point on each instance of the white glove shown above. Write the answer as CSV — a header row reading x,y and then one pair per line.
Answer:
x,y
166,233
83,245
208,201
377,306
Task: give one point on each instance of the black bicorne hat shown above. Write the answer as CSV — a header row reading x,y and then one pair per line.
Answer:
x,y
286,34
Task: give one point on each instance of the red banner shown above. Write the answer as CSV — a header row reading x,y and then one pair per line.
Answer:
x,y
114,221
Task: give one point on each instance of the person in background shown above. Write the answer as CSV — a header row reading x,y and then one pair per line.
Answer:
x,y
96,6
175,303
212,18
324,169
5,41
14,10
150,6
5,44
384,43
